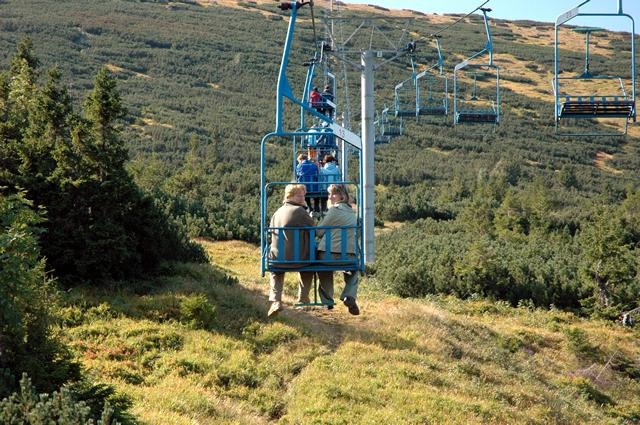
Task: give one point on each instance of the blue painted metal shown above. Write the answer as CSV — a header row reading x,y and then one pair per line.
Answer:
x,y
294,137
390,126
607,106
405,96
478,115
409,99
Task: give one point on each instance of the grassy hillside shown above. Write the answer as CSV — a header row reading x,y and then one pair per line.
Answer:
x,y
510,218
436,360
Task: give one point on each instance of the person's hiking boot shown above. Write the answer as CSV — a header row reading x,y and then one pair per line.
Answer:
x,y
276,307
330,306
350,302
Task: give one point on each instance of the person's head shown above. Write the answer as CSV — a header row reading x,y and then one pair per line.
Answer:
x,y
314,89
327,88
338,193
295,193
328,158
302,157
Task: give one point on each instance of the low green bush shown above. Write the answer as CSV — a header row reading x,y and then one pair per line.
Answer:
x,y
60,408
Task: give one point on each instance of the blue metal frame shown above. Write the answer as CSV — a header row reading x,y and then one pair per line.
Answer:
x,y
400,91
402,107
433,108
388,126
284,91
480,116
610,106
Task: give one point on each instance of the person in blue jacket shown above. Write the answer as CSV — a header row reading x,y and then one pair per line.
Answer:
x,y
329,173
326,141
307,172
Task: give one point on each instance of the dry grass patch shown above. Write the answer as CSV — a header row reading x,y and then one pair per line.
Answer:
x,y
600,162
118,70
544,35
151,121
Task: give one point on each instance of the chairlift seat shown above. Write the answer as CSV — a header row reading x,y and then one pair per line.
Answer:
x,y
478,116
432,110
317,261
596,106
405,113
393,132
382,140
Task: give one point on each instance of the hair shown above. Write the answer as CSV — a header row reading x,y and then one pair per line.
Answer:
x,y
327,87
315,88
302,157
340,190
329,158
290,190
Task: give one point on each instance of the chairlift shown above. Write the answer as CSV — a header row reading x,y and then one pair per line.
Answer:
x,y
316,262
433,87
380,138
476,109
590,105
326,106
390,126
406,94
423,93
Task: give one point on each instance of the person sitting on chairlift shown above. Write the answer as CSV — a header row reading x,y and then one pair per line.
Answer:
x,y
329,173
327,96
340,213
307,172
315,99
291,214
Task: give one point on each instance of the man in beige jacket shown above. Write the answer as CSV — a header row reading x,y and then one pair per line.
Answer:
x,y
291,214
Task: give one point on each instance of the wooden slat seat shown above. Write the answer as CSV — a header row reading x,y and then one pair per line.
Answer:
x,y
394,132
406,113
477,117
382,140
432,110
600,106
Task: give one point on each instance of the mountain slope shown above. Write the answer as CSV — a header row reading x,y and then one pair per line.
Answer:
x,y
438,360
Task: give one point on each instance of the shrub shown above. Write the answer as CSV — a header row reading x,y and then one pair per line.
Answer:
x,y
58,408
198,312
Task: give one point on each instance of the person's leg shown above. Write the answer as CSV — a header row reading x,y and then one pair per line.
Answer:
x,y
304,287
325,288
350,285
276,280
350,292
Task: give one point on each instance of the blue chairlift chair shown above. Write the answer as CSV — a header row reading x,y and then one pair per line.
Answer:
x,y
406,94
432,88
313,80
619,104
390,126
315,262
471,110
380,139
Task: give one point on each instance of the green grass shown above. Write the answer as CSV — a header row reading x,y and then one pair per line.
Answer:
x,y
182,360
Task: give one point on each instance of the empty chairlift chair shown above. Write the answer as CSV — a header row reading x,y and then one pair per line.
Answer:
x,y
390,126
476,107
581,96
433,87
